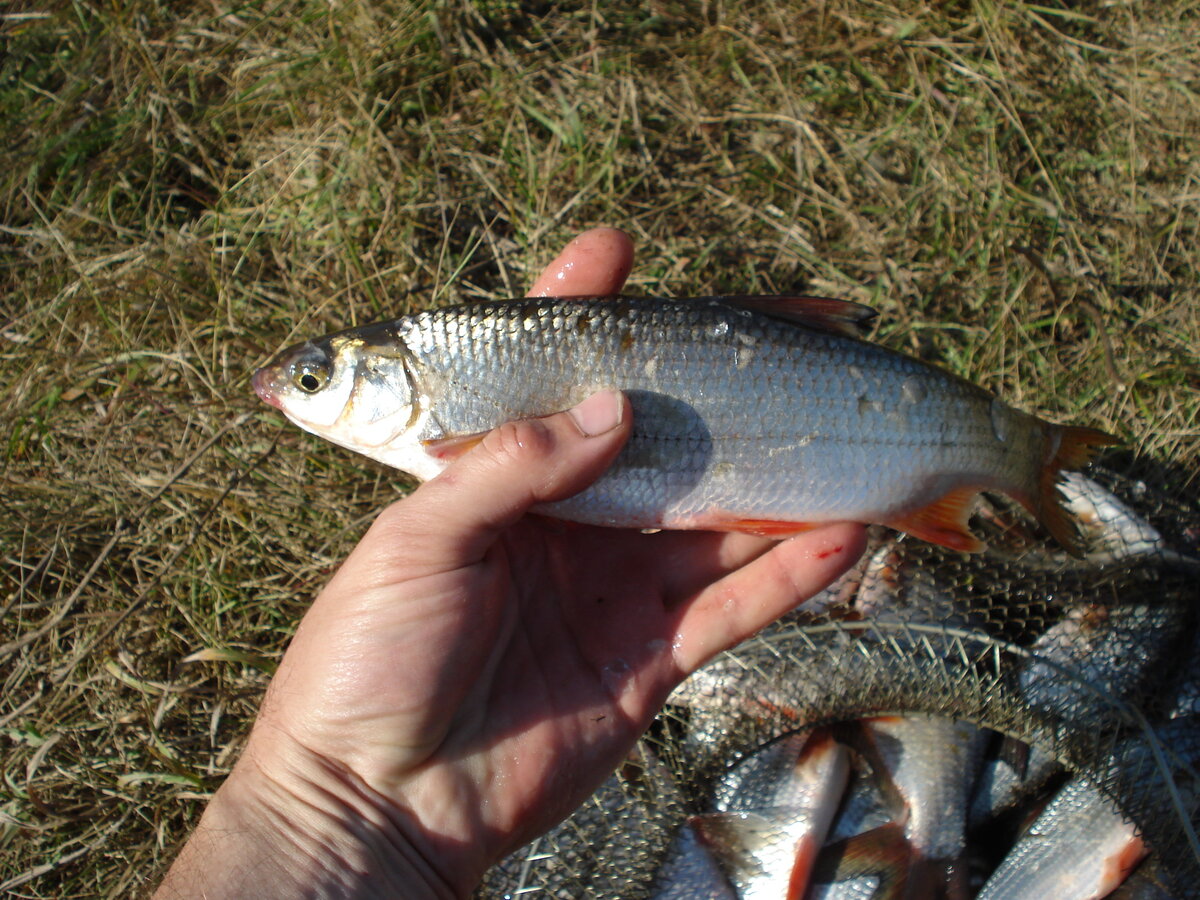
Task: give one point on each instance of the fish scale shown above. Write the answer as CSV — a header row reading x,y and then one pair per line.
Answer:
x,y
743,420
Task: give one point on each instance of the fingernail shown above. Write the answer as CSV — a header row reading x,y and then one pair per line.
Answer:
x,y
599,413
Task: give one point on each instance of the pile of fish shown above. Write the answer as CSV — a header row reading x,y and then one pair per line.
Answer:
x,y
1015,724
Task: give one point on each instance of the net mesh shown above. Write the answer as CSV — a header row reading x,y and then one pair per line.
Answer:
x,y
1093,661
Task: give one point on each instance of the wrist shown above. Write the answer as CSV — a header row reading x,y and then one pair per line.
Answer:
x,y
299,829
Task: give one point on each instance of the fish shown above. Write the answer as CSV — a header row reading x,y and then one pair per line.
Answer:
x,y
1080,848
1003,784
1111,531
866,854
773,811
763,415
1096,658
871,865
1083,845
690,872
930,763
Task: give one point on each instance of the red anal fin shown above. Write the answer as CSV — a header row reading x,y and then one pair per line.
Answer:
x,y
761,527
843,317
452,447
944,521
1074,448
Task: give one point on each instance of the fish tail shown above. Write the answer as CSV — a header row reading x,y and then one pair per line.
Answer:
x,y
1068,447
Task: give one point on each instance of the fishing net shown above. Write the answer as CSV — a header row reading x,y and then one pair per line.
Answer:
x,y
1092,662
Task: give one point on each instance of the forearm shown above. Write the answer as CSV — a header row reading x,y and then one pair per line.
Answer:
x,y
261,838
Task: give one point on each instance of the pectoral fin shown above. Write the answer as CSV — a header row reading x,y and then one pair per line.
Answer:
x,y
449,448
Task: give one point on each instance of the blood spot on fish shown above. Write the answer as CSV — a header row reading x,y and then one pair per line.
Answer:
x,y
825,554
999,420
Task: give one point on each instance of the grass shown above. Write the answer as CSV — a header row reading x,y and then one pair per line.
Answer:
x,y
184,188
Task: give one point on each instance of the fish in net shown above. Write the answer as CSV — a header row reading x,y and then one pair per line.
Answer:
x,y
967,692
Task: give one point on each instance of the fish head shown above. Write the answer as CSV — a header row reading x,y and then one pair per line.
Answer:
x,y
354,388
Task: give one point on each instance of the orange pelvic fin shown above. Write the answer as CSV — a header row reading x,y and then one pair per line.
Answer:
x,y
944,521
824,313
452,447
1073,448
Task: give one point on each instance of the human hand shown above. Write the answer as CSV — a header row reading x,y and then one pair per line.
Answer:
x,y
473,672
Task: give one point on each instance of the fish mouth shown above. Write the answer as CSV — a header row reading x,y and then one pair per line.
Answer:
x,y
263,383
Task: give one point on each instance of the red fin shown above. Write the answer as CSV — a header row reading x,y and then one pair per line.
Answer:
x,y
760,527
733,838
452,447
944,521
1073,447
883,851
802,866
824,313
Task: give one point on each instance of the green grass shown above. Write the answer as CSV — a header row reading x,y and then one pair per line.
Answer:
x,y
185,188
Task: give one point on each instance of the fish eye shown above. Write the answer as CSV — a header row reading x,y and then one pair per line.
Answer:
x,y
310,377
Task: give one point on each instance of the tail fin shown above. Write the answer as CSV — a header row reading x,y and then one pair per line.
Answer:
x,y
1074,449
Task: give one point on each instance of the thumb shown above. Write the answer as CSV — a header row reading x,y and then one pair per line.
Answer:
x,y
458,514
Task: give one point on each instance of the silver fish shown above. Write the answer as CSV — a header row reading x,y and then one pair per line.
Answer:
x,y
1080,848
1002,786
930,763
1111,531
1096,655
773,812
690,872
756,414
867,854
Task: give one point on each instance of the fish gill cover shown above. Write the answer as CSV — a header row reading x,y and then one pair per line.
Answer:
x,y
1089,666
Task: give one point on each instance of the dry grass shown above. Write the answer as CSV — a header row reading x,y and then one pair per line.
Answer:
x,y
186,187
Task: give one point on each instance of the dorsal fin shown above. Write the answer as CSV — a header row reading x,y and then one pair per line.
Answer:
x,y
843,317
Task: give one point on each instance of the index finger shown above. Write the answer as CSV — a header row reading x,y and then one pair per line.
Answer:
x,y
594,264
